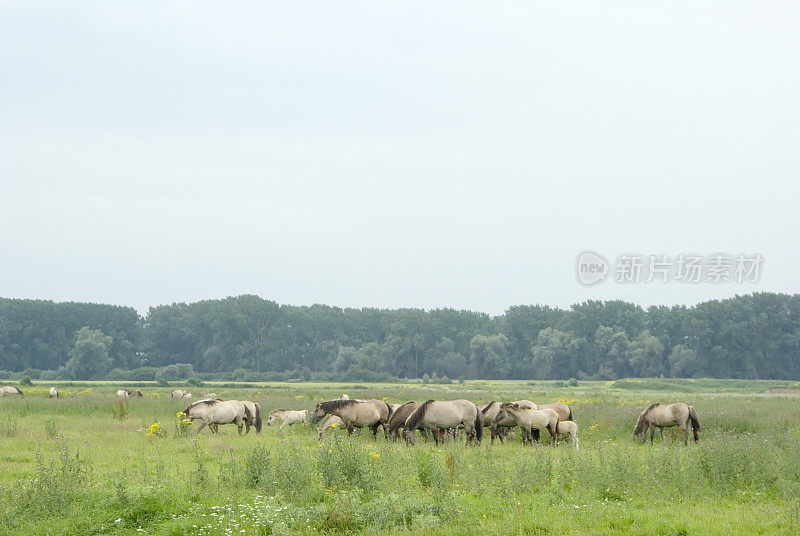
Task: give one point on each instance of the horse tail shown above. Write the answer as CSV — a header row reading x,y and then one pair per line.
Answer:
x,y
695,423
479,425
258,417
569,418
389,416
414,420
247,415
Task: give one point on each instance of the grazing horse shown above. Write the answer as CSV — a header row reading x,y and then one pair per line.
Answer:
x,y
568,429
214,412
287,417
438,415
180,393
658,416
254,418
398,419
533,419
53,393
209,395
10,390
355,413
123,393
499,420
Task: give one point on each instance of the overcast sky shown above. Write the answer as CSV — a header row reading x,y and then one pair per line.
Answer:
x,y
392,154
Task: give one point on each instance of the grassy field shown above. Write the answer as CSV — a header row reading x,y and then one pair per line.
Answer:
x,y
84,464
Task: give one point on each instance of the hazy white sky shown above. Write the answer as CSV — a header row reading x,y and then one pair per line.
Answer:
x,y
392,154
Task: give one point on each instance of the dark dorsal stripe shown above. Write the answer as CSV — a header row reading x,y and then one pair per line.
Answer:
x,y
489,405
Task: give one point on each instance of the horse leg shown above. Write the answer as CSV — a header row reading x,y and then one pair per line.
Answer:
x,y
349,430
239,425
553,434
652,433
203,425
375,430
685,430
283,425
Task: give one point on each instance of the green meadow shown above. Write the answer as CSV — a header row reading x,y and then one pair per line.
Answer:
x,y
88,463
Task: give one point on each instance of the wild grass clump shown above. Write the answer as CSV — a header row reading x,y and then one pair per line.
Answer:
x,y
57,484
8,427
119,410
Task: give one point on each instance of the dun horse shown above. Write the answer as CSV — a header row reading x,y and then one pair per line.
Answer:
x,y
180,393
438,415
214,412
53,393
533,419
10,390
501,426
355,413
287,417
123,393
658,416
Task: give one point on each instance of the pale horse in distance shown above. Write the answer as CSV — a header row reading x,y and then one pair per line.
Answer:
x,y
180,393
53,393
10,390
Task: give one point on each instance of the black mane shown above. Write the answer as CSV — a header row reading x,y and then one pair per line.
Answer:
x,y
489,405
412,423
331,405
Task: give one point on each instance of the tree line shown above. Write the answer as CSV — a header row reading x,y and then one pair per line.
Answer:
x,y
250,338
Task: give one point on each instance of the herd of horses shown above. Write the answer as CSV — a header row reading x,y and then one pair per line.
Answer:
x,y
436,419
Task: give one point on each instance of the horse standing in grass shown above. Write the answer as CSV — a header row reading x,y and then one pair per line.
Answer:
x,y
180,393
533,419
501,426
287,417
53,393
658,416
214,412
568,429
438,415
10,390
123,393
355,413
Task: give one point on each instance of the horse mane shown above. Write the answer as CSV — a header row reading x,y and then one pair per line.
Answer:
x,y
331,405
640,422
390,410
208,402
648,410
486,408
412,423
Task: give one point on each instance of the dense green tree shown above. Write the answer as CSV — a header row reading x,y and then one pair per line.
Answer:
x,y
751,336
89,358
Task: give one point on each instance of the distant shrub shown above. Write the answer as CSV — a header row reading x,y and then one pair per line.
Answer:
x,y
194,381
176,372
572,382
25,382
161,382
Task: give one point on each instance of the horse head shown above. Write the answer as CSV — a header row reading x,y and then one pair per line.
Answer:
x,y
319,413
